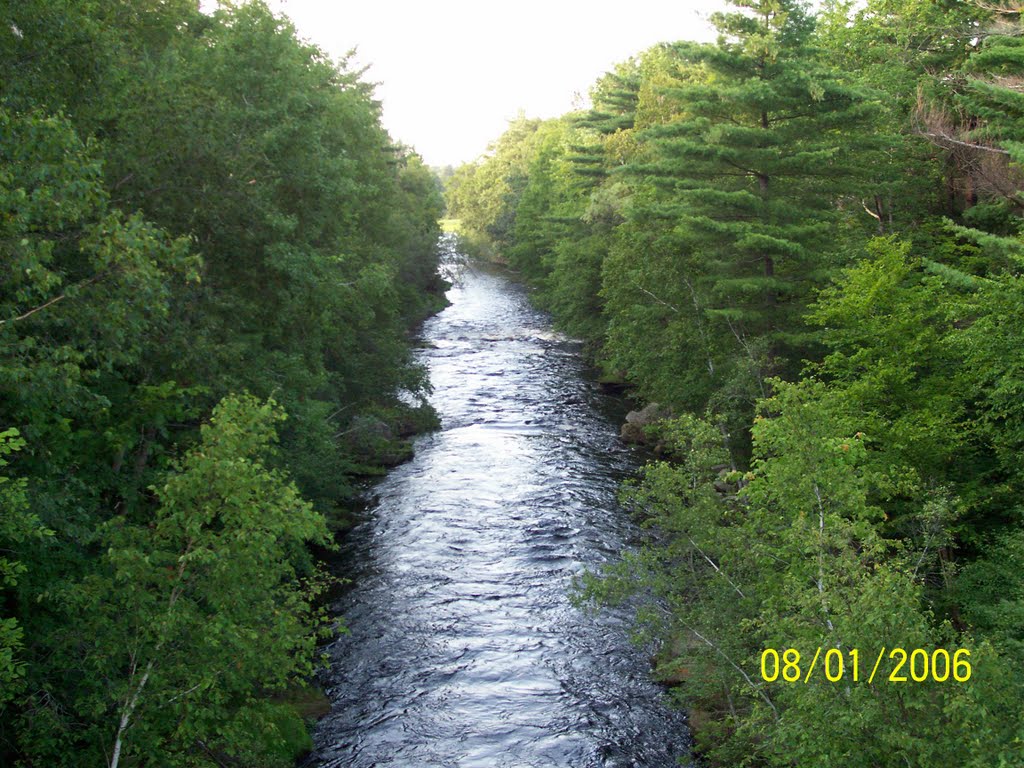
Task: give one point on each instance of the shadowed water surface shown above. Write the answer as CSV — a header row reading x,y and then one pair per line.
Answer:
x,y
464,648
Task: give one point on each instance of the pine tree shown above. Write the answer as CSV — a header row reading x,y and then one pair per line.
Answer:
x,y
994,106
750,174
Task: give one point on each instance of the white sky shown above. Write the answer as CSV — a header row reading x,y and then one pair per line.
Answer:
x,y
451,73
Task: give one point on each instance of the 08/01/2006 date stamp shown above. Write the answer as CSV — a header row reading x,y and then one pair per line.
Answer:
x,y
901,666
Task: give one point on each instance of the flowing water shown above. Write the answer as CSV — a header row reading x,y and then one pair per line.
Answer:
x,y
464,647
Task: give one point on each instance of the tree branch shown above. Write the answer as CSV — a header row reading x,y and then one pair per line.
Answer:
x,y
718,570
126,715
660,301
737,667
55,299
37,309
941,137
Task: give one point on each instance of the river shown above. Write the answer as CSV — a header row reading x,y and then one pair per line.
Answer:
x,y
464,648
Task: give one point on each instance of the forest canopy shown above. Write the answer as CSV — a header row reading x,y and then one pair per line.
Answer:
x,y
805,240
212,253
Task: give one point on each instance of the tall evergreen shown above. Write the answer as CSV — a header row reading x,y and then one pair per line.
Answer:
x,y
751,172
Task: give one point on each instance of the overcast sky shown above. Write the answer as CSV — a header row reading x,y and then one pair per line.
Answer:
x,y
451,73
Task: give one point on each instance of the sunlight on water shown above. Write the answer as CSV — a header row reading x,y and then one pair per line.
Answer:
x,y
465,649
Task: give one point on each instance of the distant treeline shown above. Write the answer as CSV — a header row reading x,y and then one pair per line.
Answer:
x,y
805,239
211,254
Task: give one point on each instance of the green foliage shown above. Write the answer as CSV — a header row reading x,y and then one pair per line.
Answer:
x,y
193,206
791,556
17,526
758,230
745,181
190,616
483,195
196,206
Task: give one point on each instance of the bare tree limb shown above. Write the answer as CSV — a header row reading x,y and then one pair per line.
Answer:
x,y
870,213
126,714
55,299
1010,8
660,301
714,565
821,564
737,667
36,309
941,137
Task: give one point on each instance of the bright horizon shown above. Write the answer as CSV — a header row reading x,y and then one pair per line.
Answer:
x,y
452,73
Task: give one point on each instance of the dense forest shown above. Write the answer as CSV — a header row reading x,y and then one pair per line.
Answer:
x,y
211,256
804,241
801,245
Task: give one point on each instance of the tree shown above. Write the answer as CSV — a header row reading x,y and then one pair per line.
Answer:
x,y
189,618
753,169
194,206
483,196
